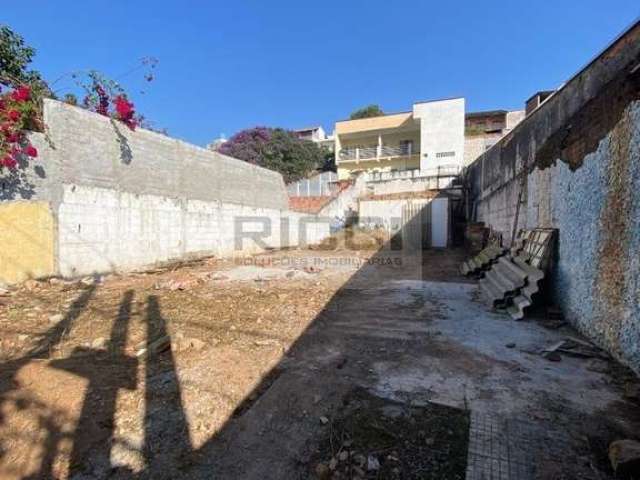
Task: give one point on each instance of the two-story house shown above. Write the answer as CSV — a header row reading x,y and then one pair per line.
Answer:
x,y
428,136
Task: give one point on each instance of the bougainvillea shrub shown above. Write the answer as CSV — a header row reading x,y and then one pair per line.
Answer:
x,y
106,97
18,113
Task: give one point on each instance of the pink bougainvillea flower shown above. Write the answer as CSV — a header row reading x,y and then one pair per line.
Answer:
x,y
30,151
13,115
125,111
12,137
9,162
21,94
123,106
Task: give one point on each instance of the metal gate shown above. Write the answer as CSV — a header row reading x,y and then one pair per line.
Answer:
x,y
425,223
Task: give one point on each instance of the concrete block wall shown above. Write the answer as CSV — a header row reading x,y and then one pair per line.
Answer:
x,y
579,153
120,199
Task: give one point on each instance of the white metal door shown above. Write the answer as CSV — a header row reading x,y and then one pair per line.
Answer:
x,y
439,222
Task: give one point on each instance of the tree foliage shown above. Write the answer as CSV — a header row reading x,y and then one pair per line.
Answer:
x,y
15,57
276,149
366,112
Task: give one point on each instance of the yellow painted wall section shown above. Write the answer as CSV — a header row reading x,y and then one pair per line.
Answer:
x,y
26,241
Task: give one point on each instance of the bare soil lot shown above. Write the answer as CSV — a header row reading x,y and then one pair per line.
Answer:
x,y
264,367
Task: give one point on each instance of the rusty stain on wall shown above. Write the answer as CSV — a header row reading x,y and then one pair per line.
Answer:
x,y
613,254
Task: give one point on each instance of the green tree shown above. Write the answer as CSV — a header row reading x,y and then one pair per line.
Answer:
x,y
15,57
292,157
366,112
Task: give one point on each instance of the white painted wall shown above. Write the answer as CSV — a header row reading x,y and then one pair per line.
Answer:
x,y
392,216
441,130
102,229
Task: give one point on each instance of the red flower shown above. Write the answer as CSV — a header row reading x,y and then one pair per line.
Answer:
x,y
13,115
22,93
12,137
2,105
9,162
30,151
123,107
125,111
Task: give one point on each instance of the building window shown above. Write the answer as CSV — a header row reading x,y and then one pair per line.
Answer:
x,y
445,154
406,147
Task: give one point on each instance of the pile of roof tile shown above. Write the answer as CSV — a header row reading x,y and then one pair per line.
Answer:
x,y
511,280
482,261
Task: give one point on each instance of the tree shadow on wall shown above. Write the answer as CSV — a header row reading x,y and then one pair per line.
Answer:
x,y
126,154
17,184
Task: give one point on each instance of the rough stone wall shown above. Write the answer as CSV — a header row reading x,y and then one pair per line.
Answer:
x,y
121,199
579,155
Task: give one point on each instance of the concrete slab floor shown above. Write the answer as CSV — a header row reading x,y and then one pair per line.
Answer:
x,y
420,341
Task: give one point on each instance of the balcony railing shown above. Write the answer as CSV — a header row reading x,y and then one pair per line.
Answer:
x,y
379,151
442,171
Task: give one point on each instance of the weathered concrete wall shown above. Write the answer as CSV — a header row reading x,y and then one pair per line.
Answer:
x,y
581,154
121,199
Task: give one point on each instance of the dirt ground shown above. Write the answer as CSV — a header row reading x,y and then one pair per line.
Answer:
x,y
270,367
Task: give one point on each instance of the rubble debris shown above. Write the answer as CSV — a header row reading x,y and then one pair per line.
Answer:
x,y
30,285
553,324
393,446
174,285
553,347
373,464
574,347
56,318
88,281
99,343
552,356
624,456
195,344
475,236
322,471
158,345
354,238
312,269
581,348
597,365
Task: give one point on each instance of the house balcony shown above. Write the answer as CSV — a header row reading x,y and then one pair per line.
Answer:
x,y
378,152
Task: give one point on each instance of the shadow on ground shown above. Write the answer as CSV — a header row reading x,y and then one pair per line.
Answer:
x,y
378,386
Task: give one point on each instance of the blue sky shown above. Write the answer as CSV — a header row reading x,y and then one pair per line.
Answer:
x,y
224,66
